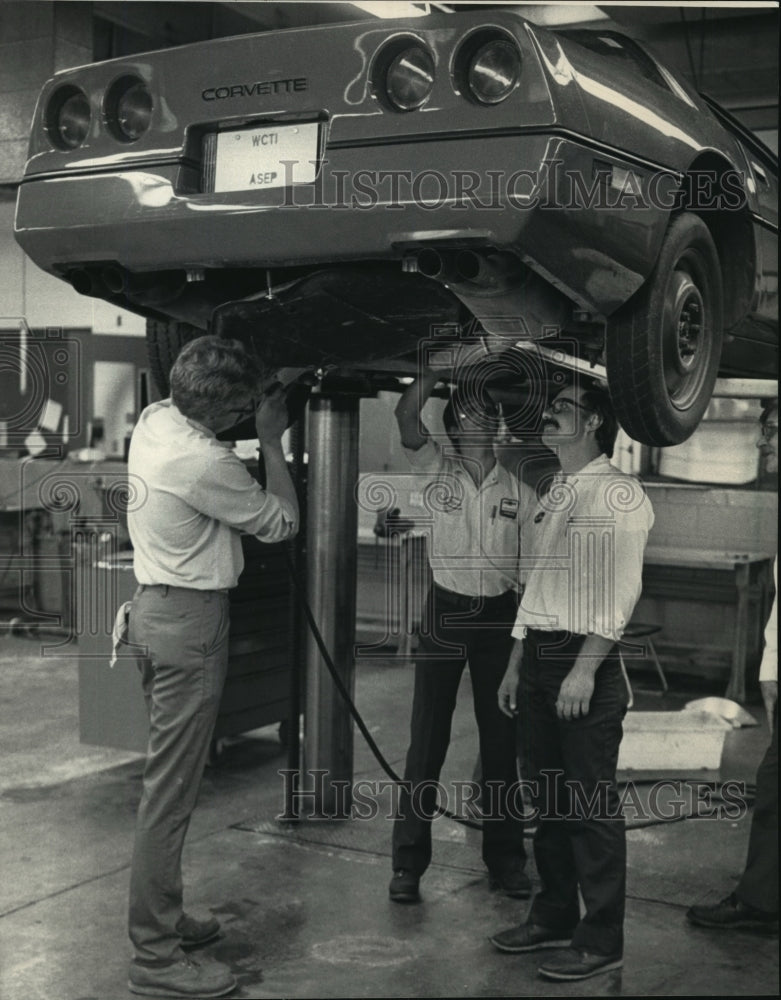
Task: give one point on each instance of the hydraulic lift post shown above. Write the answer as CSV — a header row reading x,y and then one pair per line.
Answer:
x,y
331,572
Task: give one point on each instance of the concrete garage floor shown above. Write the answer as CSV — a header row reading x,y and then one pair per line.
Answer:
x,y
304,909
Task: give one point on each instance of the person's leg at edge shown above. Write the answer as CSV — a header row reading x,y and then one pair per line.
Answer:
x,y
753,904
758,886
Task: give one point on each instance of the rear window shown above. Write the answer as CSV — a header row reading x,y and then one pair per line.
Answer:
x,y
619,49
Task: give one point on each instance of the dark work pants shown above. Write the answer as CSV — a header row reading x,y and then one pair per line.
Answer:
x,y
185,633
759,885
482,632
580,839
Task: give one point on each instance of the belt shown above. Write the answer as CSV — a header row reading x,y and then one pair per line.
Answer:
x,y
165,587
454,595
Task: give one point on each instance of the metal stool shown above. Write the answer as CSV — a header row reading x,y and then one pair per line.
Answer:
x,y
642,630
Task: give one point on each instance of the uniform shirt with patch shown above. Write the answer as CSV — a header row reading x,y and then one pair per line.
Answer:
x,y
582,553
473,531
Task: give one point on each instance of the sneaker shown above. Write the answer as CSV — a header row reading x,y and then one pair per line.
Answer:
x,y
186,978
529,937
512,881
403,887
729,913
196,932
574,964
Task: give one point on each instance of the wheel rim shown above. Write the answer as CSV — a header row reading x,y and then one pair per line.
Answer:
x,y
686,347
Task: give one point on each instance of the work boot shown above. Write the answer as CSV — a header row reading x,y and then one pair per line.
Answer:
x,y
529,937
185,978
403,886
574,964
732,913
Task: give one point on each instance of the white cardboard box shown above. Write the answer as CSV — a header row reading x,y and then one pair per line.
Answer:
x,y
672,741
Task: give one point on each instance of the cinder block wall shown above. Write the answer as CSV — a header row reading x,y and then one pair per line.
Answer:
x,y
37,38
724,519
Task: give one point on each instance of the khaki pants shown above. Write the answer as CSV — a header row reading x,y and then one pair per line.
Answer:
x,y
185,635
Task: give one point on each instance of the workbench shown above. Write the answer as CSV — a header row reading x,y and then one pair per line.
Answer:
x,y
49,509
743,580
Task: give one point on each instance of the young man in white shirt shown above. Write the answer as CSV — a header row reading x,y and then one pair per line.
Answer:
x,y
185,530
754,903
475,509
582,558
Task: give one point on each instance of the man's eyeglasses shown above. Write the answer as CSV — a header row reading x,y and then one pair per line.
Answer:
x,y
768,430
560,405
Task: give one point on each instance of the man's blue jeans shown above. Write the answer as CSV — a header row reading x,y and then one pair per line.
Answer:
x,y
185,635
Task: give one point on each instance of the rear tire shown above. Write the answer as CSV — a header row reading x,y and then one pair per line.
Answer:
x,y
164,340
664,346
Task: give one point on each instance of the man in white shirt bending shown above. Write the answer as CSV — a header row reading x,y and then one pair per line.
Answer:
x,y
199,497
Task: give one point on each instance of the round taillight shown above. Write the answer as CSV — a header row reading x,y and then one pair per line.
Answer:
x,y
494,71
409,78
129,108
68,118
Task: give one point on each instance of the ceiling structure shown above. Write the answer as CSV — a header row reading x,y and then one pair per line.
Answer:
x,y
729,53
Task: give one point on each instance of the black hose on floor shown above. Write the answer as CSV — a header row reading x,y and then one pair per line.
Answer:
x,y
382,761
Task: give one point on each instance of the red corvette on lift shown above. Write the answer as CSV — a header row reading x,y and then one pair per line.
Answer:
x,y
338,195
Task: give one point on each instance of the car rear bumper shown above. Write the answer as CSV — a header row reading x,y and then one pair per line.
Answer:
x,y
366,203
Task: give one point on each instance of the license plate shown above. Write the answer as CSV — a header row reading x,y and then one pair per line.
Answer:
x,y
274,156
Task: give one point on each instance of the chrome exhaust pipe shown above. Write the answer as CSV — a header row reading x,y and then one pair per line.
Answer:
x,y
114,279
85,281
509,300
496,271
145,289
437,264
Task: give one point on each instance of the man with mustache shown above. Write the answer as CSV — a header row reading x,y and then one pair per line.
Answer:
x,y
582,558
754,903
